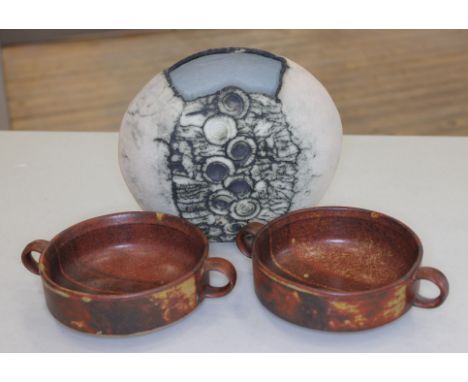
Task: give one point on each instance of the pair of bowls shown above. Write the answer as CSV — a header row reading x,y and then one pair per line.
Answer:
x,y
328,268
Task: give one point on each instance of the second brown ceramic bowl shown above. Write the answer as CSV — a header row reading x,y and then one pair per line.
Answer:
x,y
126,273
338,268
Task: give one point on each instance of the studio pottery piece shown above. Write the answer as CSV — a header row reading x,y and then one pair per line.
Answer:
x,y
338,268
126,273
228,136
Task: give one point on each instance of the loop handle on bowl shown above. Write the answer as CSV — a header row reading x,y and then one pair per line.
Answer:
x,y
28,260
221,265
246,237
439,279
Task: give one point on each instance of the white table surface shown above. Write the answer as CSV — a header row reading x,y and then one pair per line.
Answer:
x,y
49,181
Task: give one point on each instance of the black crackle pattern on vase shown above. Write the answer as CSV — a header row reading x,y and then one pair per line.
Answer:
x,y
233,159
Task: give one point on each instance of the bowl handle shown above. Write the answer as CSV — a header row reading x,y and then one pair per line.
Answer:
x,y
439,279
221,265
246,237
26,257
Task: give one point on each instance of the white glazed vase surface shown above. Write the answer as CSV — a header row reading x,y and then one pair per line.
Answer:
x,y
229,136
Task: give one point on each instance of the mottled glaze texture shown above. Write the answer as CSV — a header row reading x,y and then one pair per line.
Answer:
x,y
126,273
338,268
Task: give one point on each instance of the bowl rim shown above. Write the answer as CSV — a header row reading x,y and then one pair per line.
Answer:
x,y
366,214
113,219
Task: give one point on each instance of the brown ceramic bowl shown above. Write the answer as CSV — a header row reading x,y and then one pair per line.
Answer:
x,y
338,268
126,273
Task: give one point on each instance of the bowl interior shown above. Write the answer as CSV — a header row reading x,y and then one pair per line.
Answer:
x,y
123,258
334,250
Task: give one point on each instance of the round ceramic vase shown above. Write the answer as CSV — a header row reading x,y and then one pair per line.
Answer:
x,y
228,136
